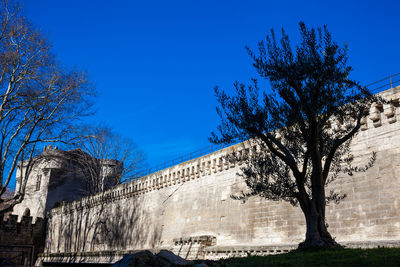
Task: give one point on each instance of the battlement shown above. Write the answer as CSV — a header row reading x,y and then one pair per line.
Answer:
x,y
23,232
215,162
25,221
20,241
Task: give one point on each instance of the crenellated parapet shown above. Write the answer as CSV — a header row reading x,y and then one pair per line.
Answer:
x,y
21,240
377,115
25,221
23,232
381,114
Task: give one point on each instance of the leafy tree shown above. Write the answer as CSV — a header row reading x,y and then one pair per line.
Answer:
x,y
40,101
300,130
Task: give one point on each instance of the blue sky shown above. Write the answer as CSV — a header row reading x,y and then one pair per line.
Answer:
x,y
155,63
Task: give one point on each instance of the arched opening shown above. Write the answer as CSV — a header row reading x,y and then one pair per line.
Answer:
x,y
27,212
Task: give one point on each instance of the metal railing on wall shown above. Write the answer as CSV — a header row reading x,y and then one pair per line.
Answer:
x,y
375,87
392,81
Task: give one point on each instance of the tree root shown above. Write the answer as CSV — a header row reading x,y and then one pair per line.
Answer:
x,y
313,244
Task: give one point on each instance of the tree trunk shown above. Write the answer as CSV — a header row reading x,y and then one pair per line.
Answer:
x,y
317,235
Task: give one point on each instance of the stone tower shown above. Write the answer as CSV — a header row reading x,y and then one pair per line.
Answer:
x,y
54,179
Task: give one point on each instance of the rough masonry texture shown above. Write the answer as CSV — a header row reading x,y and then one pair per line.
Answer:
x,y
188,209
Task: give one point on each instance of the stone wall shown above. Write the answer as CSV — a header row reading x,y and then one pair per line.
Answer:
x,y
172,208
20,242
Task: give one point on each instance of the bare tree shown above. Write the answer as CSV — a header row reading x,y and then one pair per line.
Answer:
x,y
40,101
105,159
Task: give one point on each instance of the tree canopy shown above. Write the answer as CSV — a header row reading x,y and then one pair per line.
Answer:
x,y
299,129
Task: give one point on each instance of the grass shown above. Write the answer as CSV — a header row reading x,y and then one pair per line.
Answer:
x,y
341,257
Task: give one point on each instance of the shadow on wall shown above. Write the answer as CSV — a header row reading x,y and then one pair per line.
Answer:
x,y
114,224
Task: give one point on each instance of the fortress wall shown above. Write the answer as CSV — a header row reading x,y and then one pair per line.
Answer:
x,y
193,199
21,240
23,232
